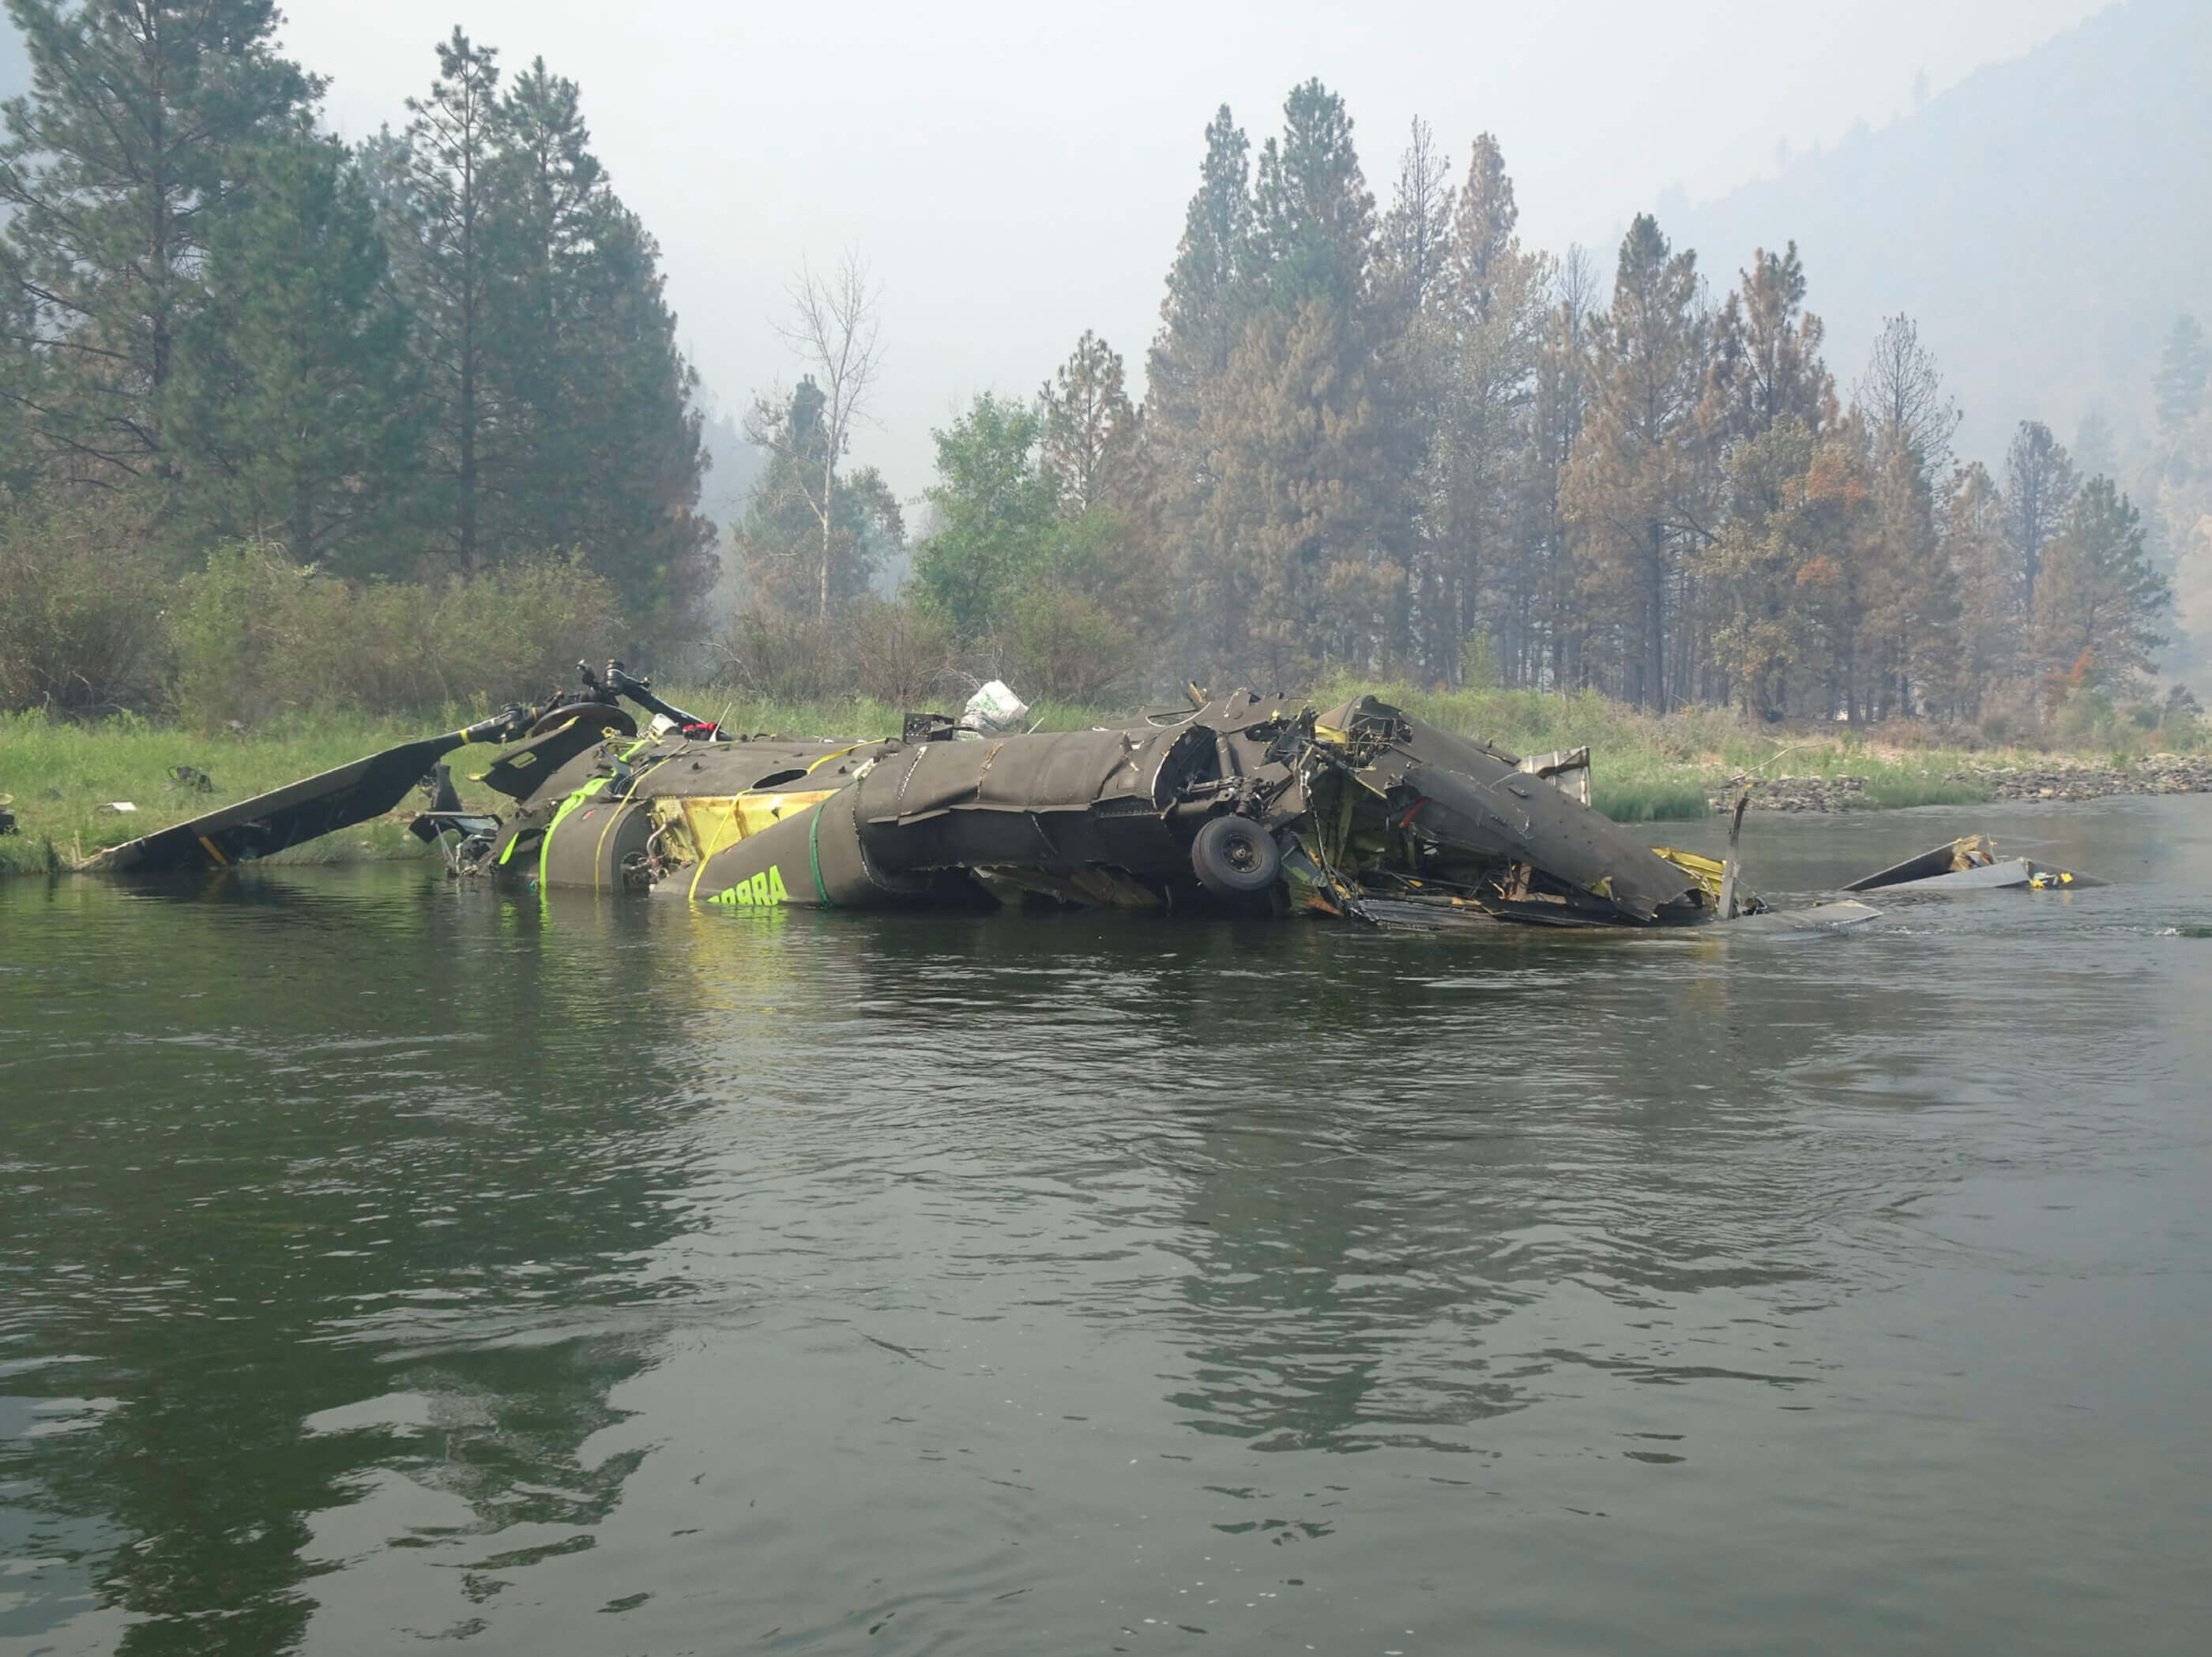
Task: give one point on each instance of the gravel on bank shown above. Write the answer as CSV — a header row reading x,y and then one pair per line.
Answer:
x,y
2050,780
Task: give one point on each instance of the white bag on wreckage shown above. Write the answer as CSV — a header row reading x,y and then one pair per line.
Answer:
x,y
994,710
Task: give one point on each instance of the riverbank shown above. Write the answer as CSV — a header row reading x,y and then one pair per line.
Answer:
x,y
63,781
2040,777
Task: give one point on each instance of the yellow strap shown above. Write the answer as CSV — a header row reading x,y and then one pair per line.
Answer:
x,y
599,852
713,846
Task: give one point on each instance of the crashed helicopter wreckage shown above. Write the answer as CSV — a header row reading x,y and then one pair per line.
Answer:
x,y
1239,802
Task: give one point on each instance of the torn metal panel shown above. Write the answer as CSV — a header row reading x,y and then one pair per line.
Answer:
x,y
1968,852
1993,876
1567,768
1969,864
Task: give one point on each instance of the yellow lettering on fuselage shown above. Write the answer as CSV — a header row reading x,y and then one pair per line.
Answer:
x,y
766,887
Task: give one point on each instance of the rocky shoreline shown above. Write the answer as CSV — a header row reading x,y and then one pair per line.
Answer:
x,y
2049,780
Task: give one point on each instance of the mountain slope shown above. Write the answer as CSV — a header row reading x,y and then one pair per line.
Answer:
x,y
2044,221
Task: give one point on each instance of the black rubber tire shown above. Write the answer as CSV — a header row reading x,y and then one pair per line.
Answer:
x,y
1235,858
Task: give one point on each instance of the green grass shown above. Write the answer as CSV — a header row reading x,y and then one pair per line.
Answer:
x,y
62,773
1893,790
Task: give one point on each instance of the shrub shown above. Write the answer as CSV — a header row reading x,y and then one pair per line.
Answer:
x,y
256,633
778,659
903,655
80,598
1068,646
895,652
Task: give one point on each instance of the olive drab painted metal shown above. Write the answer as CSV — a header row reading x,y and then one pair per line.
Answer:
x,y
1360,811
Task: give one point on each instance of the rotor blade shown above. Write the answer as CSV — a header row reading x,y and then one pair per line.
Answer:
x,y
297,812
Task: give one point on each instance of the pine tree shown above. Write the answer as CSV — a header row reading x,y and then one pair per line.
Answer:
x,y
1765,366
1202,315
581,361
2185,367
1313,217
1202,318
1416,233
1483,340
1902,397
118,165
1781,520
1992,642
2040,482
1912,594
291,419
1308,514
1560,400
2101,603
445,271
543,202
1636,487
1095,449
1090,430
1483,245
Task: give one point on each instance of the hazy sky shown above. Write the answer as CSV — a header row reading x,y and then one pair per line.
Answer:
x,y
1015,174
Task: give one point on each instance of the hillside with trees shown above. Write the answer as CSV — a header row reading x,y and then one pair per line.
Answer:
x,y
276,410
1385,438
2043,221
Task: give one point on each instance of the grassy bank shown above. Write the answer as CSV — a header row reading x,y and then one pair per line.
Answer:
x,y
1652,768
63,775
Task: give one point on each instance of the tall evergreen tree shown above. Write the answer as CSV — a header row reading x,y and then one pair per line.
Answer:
x,y
1308,516
1765,366
2184,368
1783,528
1636,486
1090,434
1313,217
2099,604
1485,219
446,271
1416,233
118,165
1902,397
582,364
290,418
1202,318
1560,401
1202,315
1991,638
2040,483
1484,339
1412,263
1913,598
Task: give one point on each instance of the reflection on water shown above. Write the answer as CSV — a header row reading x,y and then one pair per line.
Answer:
x,y
385,1261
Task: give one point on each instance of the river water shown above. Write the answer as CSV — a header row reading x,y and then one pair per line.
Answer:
x,y
381,1261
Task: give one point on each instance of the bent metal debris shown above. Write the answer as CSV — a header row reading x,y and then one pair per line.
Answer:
x,y
1234,802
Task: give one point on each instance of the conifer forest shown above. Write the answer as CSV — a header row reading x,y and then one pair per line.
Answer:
x,y
250,370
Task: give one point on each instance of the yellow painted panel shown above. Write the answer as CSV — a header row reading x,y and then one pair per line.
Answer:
x,y
714,825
